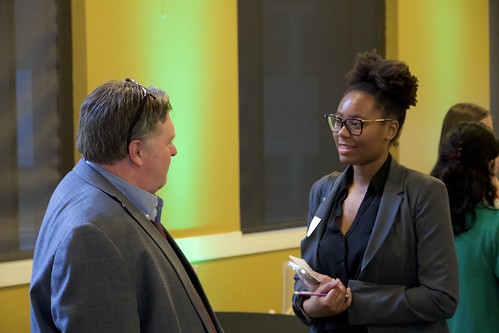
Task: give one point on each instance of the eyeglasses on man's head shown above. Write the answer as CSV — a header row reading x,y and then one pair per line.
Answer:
x,y
354,126
140,110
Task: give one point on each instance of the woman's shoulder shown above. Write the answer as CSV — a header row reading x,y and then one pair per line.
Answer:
x,y
418,175
488,214
414,178
485,226
325,183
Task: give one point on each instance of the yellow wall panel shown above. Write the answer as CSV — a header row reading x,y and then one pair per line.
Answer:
x,y
188,48
446,45
251,283
14,309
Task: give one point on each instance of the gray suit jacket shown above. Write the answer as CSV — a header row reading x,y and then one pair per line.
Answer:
x,y
408,280
101,266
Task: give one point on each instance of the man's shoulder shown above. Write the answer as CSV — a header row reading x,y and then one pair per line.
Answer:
x,y
75,195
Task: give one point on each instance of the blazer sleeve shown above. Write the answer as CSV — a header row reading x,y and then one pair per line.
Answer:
x,y
91,289
431,294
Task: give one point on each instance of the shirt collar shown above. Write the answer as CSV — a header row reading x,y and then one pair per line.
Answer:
x,y
377,183
379,179
149,204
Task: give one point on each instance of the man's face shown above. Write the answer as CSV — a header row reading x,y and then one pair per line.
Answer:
x,y
156,153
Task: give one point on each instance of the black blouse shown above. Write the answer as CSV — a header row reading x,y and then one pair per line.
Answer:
x,y
340,256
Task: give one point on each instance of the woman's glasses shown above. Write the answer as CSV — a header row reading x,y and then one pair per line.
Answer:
x,y
354,126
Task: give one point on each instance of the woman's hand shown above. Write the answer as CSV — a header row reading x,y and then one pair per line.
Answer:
x,y
337,300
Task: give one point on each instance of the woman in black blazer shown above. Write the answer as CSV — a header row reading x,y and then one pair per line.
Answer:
x,y
379,235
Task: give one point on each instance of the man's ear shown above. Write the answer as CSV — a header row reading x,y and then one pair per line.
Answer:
x,y
134,152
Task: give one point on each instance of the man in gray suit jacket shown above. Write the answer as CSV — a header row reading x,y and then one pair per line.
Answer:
x,y
103,262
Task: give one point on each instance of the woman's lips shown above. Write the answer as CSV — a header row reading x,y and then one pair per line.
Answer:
x,y
345,148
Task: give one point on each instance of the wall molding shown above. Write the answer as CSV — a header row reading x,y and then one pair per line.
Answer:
x,y
14,273
196,249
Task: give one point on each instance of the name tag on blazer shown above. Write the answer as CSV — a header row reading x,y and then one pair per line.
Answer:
x,y
315,222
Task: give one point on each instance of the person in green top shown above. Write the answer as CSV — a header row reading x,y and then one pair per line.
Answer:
x,y
466,165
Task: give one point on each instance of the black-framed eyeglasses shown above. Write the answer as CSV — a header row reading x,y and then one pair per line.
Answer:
x,y
354,126
140,110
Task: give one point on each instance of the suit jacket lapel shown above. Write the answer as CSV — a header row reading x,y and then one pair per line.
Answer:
x,y
91,176
182,267
94,178
169,247
198,296
323,212
388,208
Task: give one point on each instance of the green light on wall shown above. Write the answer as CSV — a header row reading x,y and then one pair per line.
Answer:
x,y
192,55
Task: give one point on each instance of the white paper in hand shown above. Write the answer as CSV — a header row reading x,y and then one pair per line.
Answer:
x,y
304,272
302,263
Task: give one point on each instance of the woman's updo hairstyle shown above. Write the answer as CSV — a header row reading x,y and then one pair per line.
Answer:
x,y
390,82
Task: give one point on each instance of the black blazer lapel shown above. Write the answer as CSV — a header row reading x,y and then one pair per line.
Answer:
x,y
388,209
317,225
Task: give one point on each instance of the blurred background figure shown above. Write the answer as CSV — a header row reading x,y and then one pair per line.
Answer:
x,y
466,164
468,112
465,112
